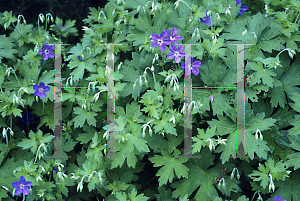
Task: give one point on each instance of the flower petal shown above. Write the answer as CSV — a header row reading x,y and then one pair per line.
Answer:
x,y
154,36
197,64
42,85
162,47
170,55
36,87
154,44
28,183
168,33
51,48
45,56
22,180
42,51
244,7
174,32
43,95
51,55
180,48
15,184
172,48
195,70
177,59
25,190
183,65
178,37
46,88
18,191
164,34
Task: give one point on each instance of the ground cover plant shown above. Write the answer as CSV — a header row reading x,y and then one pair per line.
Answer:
x,y
150,111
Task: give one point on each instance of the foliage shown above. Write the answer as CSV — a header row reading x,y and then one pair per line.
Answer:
x,y
150,110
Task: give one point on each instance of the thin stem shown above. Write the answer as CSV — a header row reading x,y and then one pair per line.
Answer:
x,y
17,79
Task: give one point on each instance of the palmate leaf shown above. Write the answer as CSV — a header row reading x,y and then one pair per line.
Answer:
x,y
264,30
64,30
6,50
252,123
199,175
170,165
83,116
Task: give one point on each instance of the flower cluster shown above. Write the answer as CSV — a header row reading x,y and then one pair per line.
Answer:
x,y
165,38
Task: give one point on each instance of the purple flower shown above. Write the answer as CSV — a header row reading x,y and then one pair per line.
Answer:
x,y
22,186
24,118
278,198
173,36
46,51
194,66
211,98
54,169
206,19
160,40
40,90
176,52
243,7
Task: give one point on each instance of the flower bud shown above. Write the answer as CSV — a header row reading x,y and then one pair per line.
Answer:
x,y
24,21
11,133
152,68
145,73
238,176
244,32
4,132
232,175
219,184
91,175
52,20
5,26
150,132
174,88
134,85
223,185
141,82
146,82
143,135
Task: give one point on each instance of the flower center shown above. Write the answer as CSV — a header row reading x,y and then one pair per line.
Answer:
x,y
46,51
22,186
172,38
159,41
176,53
40,89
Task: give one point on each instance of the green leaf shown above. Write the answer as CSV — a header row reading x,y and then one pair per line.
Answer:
x,y
64,30
82,116
170,165
6,50
164,124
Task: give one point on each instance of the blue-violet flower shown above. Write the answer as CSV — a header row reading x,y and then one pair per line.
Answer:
x,y
22,186
243,7
176,52
160,40
24,117
80,58
54,169
211,98
46,51
194,66
278,198
173,36
40,90
206,19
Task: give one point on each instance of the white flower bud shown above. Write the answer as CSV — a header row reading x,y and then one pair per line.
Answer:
x,y
4,132
141,82
244,32
174,88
